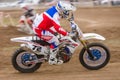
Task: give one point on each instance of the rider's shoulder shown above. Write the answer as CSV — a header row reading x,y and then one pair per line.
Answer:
x,y
52,8
51,11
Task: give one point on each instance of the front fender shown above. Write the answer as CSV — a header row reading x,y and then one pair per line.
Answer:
x,y
93,36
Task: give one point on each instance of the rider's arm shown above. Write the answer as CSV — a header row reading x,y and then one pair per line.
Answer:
x,y
59,29
57,26
50,30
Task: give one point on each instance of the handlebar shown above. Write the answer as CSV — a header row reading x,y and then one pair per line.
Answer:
x,y
74,27
71,18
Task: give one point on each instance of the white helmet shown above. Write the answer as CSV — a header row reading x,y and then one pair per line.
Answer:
x,y
64,7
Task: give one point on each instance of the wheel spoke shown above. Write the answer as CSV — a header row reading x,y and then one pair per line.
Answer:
x,y
23,63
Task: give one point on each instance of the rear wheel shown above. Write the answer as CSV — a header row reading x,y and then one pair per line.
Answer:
x,y
100,53
20,59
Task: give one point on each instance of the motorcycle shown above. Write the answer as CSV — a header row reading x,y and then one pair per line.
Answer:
x,y
33,51
25,25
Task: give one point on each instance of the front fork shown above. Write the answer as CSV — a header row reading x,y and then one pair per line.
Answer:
x,y
85,43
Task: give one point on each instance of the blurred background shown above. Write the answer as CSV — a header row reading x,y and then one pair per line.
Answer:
x,y
5,3
37,4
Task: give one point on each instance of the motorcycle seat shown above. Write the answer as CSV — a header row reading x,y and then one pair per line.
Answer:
x,y
41,42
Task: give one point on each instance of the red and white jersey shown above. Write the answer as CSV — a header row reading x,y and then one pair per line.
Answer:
x,y
46,20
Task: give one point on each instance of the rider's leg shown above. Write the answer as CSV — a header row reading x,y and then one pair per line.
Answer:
x,y
50,38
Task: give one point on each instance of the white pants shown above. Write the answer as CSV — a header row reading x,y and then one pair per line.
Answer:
x,y
50,38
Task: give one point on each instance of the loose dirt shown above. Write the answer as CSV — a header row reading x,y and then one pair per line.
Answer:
x,y
104,21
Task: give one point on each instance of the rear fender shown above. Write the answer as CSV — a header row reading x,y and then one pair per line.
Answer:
x,y
27,40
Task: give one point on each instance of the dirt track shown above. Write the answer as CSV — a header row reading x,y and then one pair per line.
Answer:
x,y
104,21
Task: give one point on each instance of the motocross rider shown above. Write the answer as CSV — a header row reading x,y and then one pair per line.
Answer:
x,y
29,13
50,18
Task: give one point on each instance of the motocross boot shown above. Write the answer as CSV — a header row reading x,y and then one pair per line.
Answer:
x,y
52,59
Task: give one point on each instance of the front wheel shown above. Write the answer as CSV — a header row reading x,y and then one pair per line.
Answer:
x,y
20,59
101,54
